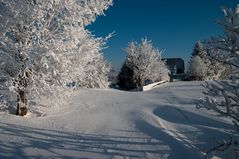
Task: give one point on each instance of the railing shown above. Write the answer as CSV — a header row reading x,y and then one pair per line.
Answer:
x,y
152,85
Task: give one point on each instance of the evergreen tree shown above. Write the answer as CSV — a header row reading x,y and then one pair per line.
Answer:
x,y
125,78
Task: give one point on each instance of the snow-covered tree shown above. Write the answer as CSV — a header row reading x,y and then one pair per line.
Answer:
x,y
198,63
203,67
44,45
199,50
142,64
197,70
223,97
226,49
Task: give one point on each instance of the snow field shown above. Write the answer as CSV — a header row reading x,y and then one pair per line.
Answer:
x,y
159,123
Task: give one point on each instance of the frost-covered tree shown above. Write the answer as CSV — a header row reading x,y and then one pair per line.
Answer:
x,y
199,50
203,67
44,45
198,69
198,63
142,64
225,49
223,96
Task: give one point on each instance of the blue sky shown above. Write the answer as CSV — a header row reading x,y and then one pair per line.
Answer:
x,y
172,25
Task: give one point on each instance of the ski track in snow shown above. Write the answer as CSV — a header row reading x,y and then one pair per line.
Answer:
x,y
160,123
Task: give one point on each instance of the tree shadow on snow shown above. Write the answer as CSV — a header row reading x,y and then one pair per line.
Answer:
x,y
199,131
25,142
177,149
180,116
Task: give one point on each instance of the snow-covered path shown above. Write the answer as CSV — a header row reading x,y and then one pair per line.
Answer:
x,y
160,123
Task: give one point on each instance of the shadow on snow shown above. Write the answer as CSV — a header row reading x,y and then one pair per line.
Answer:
x,y
26,142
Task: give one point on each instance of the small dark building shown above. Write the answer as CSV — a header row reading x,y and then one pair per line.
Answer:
x,y
176,67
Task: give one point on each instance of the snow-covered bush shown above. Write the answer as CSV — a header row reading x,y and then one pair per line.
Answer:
x,y
44,46
142,65
203,67
223,97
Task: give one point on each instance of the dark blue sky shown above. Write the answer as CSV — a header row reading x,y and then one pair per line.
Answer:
x,y
172,25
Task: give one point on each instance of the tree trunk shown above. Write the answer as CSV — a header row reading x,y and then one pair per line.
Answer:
x,y
140,84
21,103
22,97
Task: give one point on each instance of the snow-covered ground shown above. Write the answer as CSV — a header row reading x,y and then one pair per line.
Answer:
x,y
159,123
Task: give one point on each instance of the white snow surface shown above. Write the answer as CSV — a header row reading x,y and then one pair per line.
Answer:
x,y
96,123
